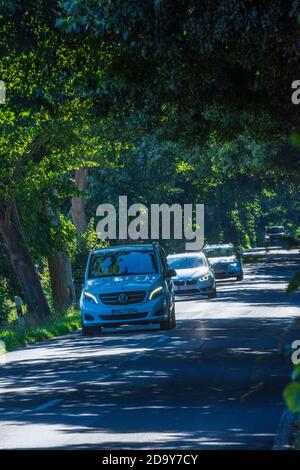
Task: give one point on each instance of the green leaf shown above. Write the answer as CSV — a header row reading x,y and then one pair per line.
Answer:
x,y
295,139
291,395
296,372
294,283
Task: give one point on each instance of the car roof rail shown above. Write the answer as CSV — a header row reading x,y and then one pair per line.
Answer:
x,y
95,247
217,244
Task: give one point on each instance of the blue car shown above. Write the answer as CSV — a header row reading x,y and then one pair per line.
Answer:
x,y
225,261
129,285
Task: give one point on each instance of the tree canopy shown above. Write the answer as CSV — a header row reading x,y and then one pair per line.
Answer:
x,y
160,100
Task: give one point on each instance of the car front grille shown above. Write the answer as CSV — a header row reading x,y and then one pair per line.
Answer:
x,y
124,316
179,283
190,282
133,297
220,266
187,291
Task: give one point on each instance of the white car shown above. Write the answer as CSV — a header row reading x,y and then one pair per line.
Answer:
x,y
194,275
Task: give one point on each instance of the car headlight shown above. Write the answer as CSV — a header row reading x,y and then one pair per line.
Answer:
x,y
234,264
267,237
204,278
155,292
90,297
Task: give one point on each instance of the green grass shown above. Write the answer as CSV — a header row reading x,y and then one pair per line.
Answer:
x,y
60,325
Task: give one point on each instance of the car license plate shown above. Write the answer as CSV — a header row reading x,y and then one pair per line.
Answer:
x,y
221,270
124,310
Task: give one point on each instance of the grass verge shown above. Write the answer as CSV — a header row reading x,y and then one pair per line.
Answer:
x,y
60,325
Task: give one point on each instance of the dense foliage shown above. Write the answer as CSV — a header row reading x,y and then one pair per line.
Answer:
x,y
163,101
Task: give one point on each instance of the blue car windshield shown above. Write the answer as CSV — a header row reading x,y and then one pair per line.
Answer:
x,y
122,263
274,230
186,263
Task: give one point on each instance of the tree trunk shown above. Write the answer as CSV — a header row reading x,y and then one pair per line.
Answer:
x,y
60,270
78,203
10,229
62,285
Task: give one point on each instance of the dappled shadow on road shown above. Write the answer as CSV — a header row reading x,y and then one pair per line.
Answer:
x,y
207,386
210,383
264,285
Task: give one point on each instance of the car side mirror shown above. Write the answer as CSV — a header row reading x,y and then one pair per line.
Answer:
x,y
171,273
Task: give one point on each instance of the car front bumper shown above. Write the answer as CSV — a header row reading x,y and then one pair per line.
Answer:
x,y
201,288
228,273
149,311
274,241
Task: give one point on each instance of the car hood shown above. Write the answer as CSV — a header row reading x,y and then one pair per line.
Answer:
x,y
223,259
120,283
190,273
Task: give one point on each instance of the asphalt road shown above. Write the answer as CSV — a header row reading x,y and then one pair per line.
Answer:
x,y
215,382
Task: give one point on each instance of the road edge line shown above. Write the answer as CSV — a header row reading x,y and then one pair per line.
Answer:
x,y
47,405
284,431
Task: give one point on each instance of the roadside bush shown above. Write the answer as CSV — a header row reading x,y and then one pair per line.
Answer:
x,y
292,391
5,306
46,282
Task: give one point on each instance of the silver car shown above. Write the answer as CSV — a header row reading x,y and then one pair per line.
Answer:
x,y
127,285
194,275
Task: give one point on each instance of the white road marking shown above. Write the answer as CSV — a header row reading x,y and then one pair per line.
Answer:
x,y
136,356
139,355
48,404
162,339
103,377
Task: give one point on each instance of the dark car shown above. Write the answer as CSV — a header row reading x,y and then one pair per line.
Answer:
x,y
275,235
